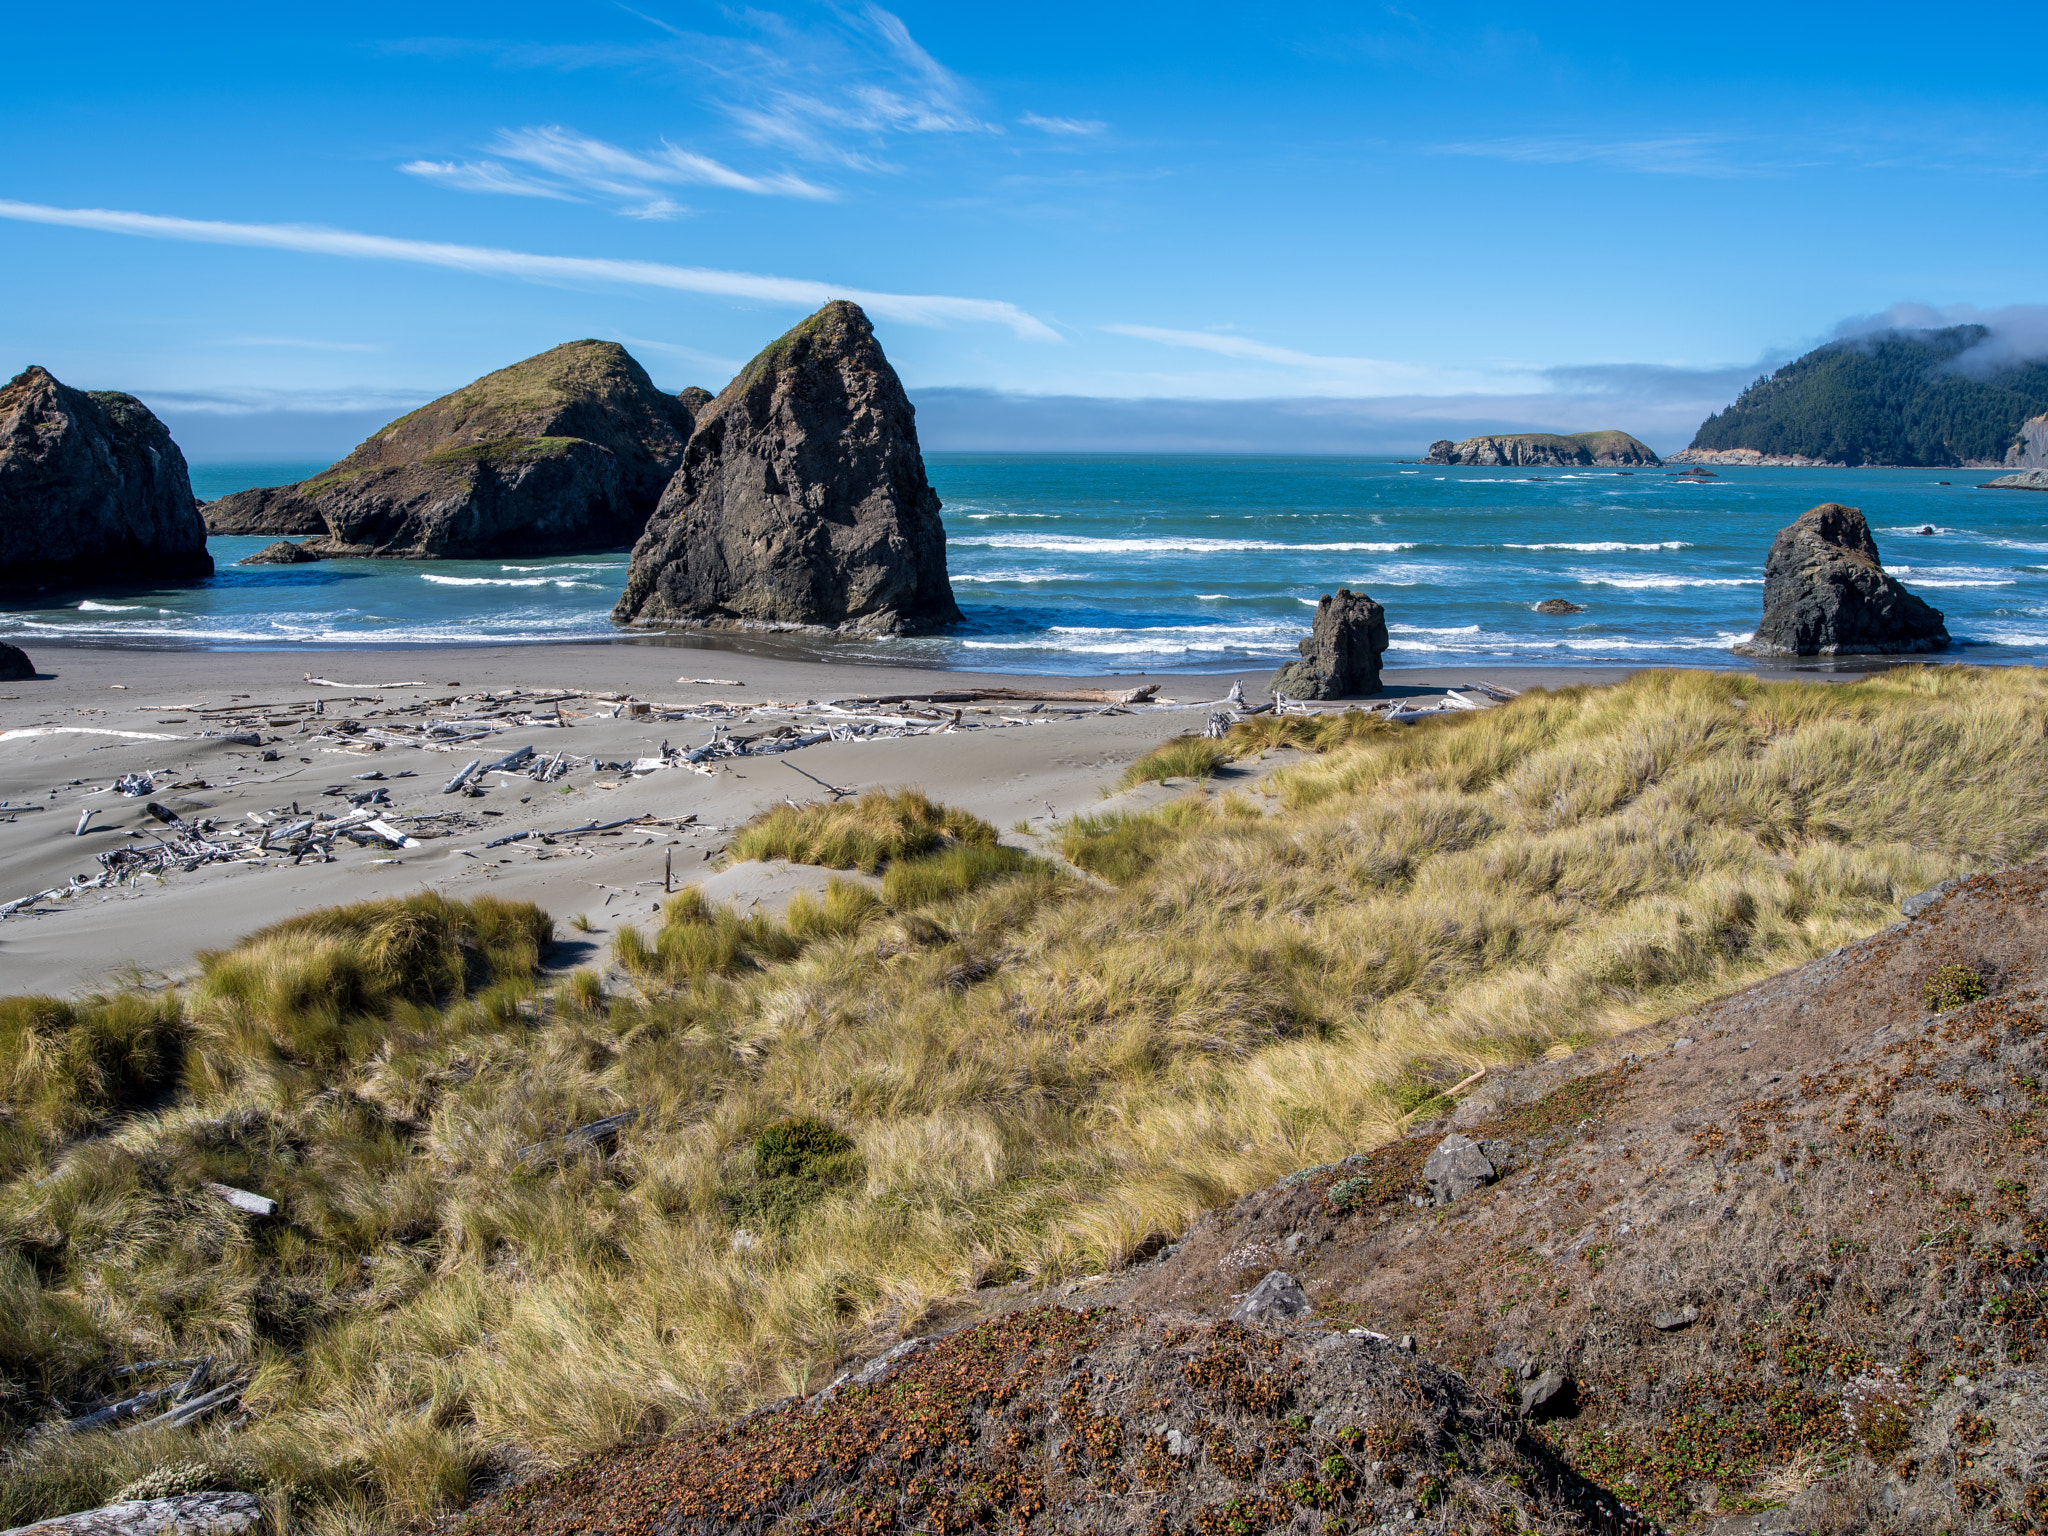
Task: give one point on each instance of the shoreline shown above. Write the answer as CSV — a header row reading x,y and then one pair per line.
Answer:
x,y
95,714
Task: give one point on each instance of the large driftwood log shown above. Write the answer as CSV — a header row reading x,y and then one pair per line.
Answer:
x,y
192,1514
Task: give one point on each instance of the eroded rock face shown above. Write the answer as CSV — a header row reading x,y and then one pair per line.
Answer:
x,y
567,450
91,489
801,500
1544,450
1827,594
1341,657
2030,448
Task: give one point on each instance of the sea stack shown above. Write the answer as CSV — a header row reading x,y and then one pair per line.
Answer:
x,y
15,667
1826,594
801,500
1545,450
1341,657
91,489
568,450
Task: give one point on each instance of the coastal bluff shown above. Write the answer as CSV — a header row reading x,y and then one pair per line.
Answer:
x,y
801,500
1544,450
568,450
1826,593
91,489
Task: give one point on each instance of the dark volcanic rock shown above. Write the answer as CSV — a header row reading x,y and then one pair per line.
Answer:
x,y
801,500
1544,449
15,667
567,450
91,488
281,509
1826,594
1341,656
1559,605
283,552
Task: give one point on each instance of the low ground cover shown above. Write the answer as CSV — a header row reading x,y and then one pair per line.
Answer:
x,y
1031,1074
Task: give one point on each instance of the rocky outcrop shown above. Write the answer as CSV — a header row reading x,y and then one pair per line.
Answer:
x,y
801,500
2029,449
91,489
2025,480
567,450
15,667
1341,657
1544,449
1827,594
1557,605
283,552
1750,458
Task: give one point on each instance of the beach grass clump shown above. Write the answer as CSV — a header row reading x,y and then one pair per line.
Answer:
x,y
1184,757
875,829
1322,732
67,1066
951,872
845,908
1037,1077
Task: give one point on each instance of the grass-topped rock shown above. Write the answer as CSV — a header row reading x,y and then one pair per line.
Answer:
x,y
567,450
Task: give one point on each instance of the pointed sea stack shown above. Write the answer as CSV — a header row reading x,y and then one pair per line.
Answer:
x,y
1341,657
801,500
91,489
568,450
1826,594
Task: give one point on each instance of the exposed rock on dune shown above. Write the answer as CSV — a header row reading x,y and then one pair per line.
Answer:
x,y
1543,449
1826,594
801,500
566,450
91,489
1341,657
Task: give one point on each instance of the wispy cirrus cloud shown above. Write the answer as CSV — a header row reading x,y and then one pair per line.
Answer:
x,y
1681,154
911,308
561,163
1315,370
1079,127
298,343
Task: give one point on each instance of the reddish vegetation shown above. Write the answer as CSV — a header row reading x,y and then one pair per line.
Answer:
x,y
1787,1248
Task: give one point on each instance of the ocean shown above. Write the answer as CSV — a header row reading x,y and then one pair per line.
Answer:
x,y
1088,564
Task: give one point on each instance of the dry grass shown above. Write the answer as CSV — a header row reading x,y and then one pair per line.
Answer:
x,y
1035,1075
863,834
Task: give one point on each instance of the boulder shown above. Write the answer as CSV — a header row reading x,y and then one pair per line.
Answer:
x,y
801,500
1460,1165
283,552
91,489
568,450
1559,605
1278,1298
15,667
1546,1397
1341,657
1544,449
1827,594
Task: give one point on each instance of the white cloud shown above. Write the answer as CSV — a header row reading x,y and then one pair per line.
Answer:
x,y
484,176
299,343
1070,125
602,167
1320,373
913,309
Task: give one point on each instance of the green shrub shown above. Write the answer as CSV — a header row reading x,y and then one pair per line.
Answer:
x,y
797,1162
1951,986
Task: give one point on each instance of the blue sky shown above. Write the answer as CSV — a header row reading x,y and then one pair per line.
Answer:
x,y
281,225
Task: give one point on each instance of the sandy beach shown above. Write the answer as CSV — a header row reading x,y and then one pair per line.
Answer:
x,y
93,716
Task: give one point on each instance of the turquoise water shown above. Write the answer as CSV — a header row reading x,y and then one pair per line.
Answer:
x,y
1127,563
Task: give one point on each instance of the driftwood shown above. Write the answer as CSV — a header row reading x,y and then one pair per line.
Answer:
x,y
462,778
198,1408
115,1413
1138,695
596,1134
328,682
243,1200
713,682
217,1514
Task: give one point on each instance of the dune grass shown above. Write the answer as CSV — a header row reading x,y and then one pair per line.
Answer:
x,y
864,834
856,1113
1184,757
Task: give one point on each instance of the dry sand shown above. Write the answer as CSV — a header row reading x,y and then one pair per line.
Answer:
x,y
1055,766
